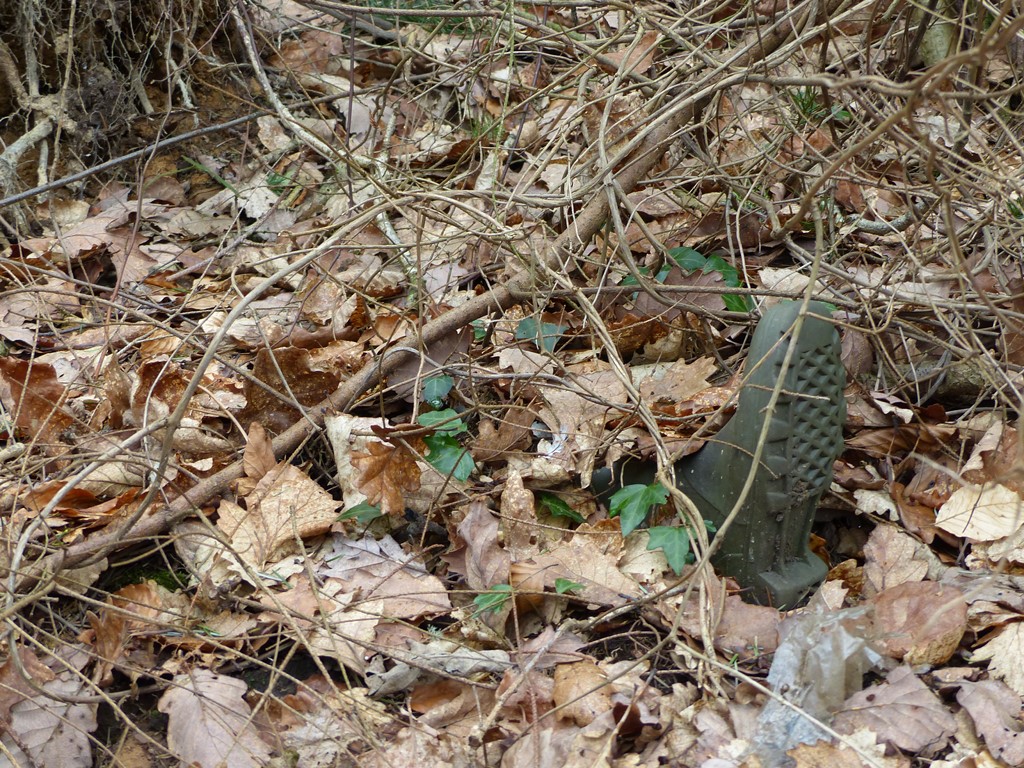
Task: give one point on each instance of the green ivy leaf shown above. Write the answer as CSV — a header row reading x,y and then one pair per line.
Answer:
x,y
446,422
448,457
730,275
630,280
436,389
363,512
567,585
544,335
675,541
688,259
631,503
493,599
558,508
736,303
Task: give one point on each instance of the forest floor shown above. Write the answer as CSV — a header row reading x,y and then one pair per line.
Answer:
x,y
304,396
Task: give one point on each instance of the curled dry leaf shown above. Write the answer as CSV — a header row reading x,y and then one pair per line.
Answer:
x,y
921,622
14,686
258,458
34,396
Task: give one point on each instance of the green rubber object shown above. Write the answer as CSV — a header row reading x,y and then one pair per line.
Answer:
x,y
766,547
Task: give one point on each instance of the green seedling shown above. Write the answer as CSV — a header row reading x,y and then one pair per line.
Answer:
x,y
632,503
557,507
544,335
363,513
563,586
690,260
209,172
444,451
493,600
436,390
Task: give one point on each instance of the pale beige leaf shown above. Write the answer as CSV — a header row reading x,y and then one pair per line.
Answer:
x,y
984,513
892,557
285,507
857,750
380,568
518,517
209,724
582,692
591,557
53,731
1004,653
487,563
673,382
13,685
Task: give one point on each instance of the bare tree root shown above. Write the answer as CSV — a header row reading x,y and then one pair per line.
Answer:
x,y
629,169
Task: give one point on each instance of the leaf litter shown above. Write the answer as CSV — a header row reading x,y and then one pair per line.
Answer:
x,y
323,532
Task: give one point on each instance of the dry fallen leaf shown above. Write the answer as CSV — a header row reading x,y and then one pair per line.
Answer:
x,y
1004,652
258,458
209,724
13,685
997,713
31,393
582,692
902,711
285,507
921,622
982,513
891,558
383,473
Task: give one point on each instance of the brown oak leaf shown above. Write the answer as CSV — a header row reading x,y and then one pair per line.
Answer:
x,y
384,473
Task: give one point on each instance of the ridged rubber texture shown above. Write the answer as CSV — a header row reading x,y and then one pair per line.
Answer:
x,y
766,547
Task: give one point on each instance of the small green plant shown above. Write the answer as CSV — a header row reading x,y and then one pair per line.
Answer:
x,y
364,513
493,600
811,109
562,586
209,172
487,128
557,507
674,541
1014,206
631,503
444,451
690,260
436,390
544,335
